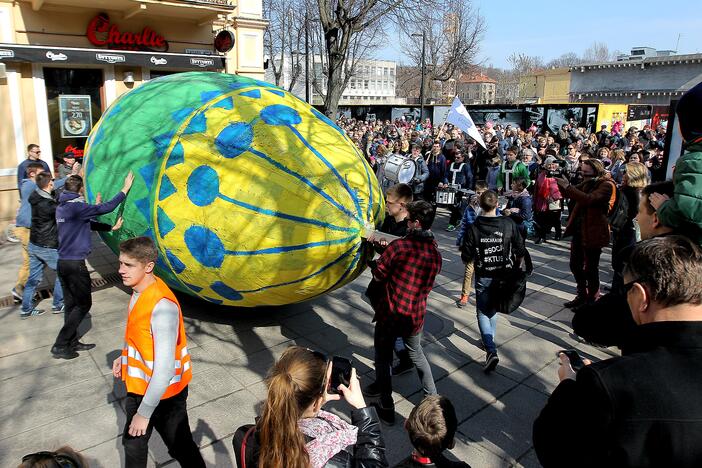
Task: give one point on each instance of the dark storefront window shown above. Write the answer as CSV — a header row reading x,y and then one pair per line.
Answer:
x,y
159,73
66,125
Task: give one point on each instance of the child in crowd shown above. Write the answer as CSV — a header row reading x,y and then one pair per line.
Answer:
x,y
519,207
431,427
469,216
684,211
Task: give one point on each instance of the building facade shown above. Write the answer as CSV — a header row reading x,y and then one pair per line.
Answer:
x,y
476,89
63,56
545,87
654,81
373,82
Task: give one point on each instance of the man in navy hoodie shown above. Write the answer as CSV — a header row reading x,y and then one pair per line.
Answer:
x,y
73,218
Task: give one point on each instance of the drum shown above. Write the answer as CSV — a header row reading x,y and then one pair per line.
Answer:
x,y
446,196
399,169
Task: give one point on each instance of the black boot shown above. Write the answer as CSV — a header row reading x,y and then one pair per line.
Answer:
x,y
63,353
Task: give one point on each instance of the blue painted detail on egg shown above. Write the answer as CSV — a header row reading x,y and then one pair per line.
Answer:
x,y
178,266
203,186
280,114
254,93
165,224
226,291
227,103
167,188
198,124
234,139
177,155
205,246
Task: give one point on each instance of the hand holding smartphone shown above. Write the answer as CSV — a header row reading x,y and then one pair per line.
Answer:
x,y
576,362
340,374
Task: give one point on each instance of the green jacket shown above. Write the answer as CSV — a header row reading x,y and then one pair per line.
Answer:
x,y
684,211
519,169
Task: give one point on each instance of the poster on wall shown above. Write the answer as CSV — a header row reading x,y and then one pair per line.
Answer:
x,y
75,115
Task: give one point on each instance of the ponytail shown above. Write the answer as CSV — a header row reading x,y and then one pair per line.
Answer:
x,y
294,384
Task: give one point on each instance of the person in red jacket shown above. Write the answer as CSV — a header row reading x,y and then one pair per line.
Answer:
x,y
155,363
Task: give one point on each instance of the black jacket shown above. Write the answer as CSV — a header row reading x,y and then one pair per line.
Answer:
x,y
639,410
43,232
369,451
497,248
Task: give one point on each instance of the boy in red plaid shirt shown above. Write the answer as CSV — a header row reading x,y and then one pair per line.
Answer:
x,y
406,271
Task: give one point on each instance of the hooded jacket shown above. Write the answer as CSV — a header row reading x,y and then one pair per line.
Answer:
x,y
43,231
684,211
73,217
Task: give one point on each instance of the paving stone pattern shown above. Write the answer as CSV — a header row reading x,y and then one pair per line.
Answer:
x,y
46,403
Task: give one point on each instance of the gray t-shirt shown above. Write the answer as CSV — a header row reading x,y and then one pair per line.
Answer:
x,y
164,328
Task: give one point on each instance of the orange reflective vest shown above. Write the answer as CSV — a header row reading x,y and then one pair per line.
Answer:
x,y
138,353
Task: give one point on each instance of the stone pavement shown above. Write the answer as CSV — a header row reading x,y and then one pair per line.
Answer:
x,y
46,403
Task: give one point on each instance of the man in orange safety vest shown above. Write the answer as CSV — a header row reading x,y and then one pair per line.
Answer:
x,y
155,363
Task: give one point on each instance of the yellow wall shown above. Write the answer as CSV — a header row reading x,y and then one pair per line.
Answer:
x,y
556,84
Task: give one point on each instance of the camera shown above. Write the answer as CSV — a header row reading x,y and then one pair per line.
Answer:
x,y
557,173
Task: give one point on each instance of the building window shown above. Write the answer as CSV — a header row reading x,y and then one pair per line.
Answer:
x,y
365,84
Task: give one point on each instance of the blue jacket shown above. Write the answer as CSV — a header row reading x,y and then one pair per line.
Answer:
x,y
73,217
24,215
464,177
22,170
524,203
437,169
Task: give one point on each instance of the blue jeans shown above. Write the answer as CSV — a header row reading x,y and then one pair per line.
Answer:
x,y
39,257
487,315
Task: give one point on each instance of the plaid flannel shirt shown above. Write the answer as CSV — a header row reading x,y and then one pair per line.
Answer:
x,y
406,271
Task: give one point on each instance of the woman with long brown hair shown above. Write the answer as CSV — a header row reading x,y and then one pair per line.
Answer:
x,y
294,432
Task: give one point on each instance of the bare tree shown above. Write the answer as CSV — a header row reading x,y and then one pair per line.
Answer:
x,y
361,46
453,31
342,20
523,64
284,38
597,52
569,59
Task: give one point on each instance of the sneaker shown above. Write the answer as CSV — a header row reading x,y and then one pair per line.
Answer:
x,y
386,415
451,228
371,390
462,302
78,346
578,301
16,296
58,310
31,313
402,368
63,353
491,361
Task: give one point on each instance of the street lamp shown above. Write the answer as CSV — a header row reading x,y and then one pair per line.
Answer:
x,y
421,86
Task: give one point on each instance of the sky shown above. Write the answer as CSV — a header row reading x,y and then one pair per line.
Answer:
x,y
551,28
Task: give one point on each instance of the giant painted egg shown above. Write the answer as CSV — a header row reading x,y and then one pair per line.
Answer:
x,y
252,196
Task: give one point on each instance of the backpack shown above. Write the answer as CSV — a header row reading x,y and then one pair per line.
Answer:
x,y
619,213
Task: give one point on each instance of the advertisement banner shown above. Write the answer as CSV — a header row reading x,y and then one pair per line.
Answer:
x,y
75,115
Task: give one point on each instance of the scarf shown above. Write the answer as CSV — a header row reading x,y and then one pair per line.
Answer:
x,y
330,435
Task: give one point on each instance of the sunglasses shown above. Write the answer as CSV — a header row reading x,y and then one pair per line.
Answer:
x,y
64,461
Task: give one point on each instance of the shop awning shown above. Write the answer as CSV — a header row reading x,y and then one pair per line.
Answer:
x,y
71,55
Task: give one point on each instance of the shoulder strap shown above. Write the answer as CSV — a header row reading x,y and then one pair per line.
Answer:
x,y
243,446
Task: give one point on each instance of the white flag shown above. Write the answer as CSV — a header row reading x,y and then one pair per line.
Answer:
x,y
459,116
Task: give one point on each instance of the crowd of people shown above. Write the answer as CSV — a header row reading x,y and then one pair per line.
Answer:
x,y
632,410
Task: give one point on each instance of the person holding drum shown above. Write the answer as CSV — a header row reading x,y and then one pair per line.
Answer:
x,y
436,162
460,178
511,169
422,172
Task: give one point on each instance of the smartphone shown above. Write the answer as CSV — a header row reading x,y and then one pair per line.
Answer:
x,y
576,362
340,374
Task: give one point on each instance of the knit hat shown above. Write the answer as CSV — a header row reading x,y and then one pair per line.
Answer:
x,y
689,116
550,160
